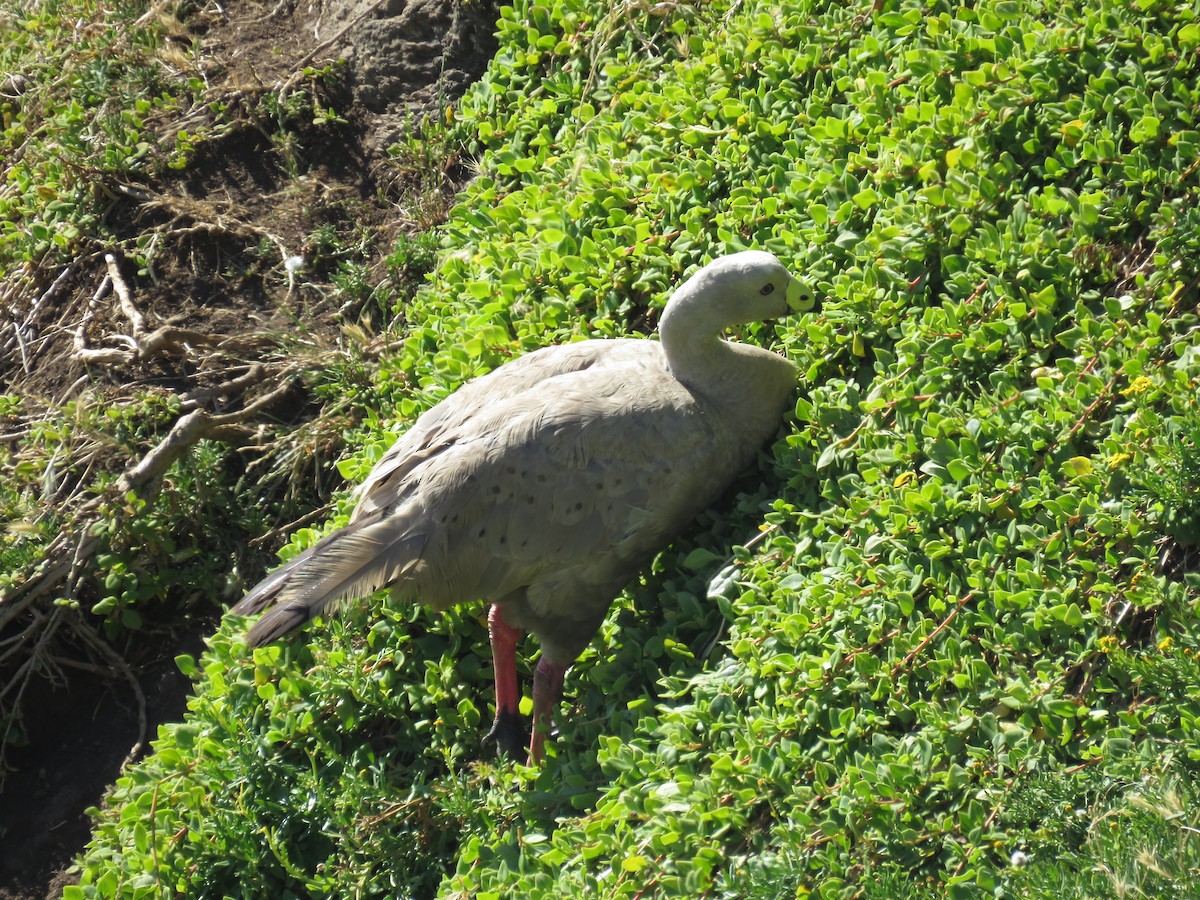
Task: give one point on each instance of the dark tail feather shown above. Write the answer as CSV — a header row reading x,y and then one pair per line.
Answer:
x,y
353,562
277,622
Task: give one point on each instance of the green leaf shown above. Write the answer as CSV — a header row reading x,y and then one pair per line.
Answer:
x,y
1077,467
700,558
958,470
828,456
1145,129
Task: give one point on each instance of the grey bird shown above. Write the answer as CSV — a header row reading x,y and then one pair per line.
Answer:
x,y
544,486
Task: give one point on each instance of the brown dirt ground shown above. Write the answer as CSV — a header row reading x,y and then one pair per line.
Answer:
x,y
223,223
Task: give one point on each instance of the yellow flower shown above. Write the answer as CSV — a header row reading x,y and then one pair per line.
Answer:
x,y
1107,644
1165,644
1139,385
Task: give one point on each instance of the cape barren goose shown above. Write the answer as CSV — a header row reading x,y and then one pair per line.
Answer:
x,y
546,485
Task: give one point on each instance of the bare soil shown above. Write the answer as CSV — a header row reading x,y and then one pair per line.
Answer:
x,y
217,300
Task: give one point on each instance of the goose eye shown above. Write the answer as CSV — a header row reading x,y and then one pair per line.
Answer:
x,y
766,289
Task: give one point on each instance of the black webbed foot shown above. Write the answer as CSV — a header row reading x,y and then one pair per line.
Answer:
x,y
509,735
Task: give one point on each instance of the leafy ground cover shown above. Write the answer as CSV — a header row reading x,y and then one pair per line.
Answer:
x,y
954,652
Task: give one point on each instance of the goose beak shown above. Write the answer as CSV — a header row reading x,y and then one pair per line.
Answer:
x,y
801,297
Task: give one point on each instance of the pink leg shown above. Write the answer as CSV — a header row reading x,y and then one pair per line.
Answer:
x,y
506,729
547,692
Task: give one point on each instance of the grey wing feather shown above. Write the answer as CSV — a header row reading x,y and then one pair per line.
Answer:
x,y
352,562
464,413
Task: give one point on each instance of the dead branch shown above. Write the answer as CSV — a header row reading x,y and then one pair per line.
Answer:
x,y
136,320
52,572
17,331
111,357
145,478
47,295
311,516
141,345
234,387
